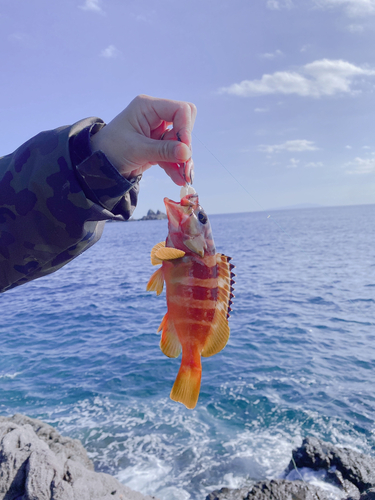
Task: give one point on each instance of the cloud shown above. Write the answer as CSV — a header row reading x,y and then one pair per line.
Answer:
x,y
261,110
293,163
361,166
147,17
355,28
314,164
93,5
352,8
324,77
272,55
279,4
110,52
298,145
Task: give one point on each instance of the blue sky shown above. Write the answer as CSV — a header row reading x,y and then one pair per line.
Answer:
x,y
284,88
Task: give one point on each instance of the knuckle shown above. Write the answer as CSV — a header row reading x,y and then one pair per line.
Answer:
x,y
165,151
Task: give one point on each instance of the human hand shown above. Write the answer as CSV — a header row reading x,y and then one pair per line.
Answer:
x,y
132,140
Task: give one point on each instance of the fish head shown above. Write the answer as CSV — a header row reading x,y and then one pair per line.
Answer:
x,y
189,228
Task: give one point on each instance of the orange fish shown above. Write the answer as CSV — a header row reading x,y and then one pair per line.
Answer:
x,y
199,294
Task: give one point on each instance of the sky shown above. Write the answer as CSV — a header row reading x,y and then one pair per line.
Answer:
x,y
284,89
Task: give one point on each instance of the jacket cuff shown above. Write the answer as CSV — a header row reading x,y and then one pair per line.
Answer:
x,y
101,182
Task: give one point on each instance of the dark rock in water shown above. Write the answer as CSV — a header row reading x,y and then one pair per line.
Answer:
x,y
151,215
37,463
345,467
351,472
368,495
228,494
277,489
281,489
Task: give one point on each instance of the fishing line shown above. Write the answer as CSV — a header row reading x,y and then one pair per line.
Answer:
x,y
293,239
243,187
269,216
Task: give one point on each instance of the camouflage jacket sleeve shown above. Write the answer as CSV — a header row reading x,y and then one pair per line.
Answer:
x,y
55,195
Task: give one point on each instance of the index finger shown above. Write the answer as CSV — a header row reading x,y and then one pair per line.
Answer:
x,y
181,114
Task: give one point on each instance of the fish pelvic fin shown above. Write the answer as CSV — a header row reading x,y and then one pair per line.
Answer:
x,y
169,343
188,382
168,253
156,282
154,260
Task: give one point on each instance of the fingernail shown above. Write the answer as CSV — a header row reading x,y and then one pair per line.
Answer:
x,y
179,152
189,171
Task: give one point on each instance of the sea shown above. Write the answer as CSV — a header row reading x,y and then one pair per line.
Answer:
x,y
79,350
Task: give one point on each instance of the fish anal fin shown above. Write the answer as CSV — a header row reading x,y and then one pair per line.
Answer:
x,y
156,282
154,260
218,336
169,343
167,253
188,382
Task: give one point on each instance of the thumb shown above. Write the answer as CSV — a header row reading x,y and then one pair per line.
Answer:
x,y
157,151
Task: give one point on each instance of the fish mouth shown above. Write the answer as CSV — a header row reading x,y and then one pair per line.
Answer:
x,y
173,211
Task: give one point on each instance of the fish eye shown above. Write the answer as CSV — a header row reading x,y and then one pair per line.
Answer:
x,y
202,217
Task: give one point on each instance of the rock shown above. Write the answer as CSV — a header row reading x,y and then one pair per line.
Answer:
x,y
345,467
281,489
276,489
368,495
37,463
351,472
151,215
228,494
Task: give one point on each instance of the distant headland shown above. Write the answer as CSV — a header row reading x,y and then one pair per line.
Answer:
x,y
151,215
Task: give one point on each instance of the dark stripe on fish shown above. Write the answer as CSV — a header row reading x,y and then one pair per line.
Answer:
x,y
203,272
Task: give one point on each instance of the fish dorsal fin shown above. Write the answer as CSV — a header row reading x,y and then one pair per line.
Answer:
x,y
156,282
154,260
167,253
226,282
219,334
169,343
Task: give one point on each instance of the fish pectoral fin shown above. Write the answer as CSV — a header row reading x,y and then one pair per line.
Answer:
x,y
167,253
169,342
156,282
154,260
218,336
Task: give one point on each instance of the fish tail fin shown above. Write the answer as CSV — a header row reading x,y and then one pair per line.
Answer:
x,y
188,382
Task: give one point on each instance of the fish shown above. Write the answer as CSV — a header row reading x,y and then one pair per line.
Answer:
x,y
199,292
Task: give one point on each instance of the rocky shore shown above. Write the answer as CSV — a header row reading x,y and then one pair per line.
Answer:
x,y
37,463
343,474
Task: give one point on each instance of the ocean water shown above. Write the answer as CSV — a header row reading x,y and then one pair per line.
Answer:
x,y
79,350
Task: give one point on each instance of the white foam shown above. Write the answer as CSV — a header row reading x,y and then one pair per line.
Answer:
x,y
318,479
160,448
147,477
10,375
